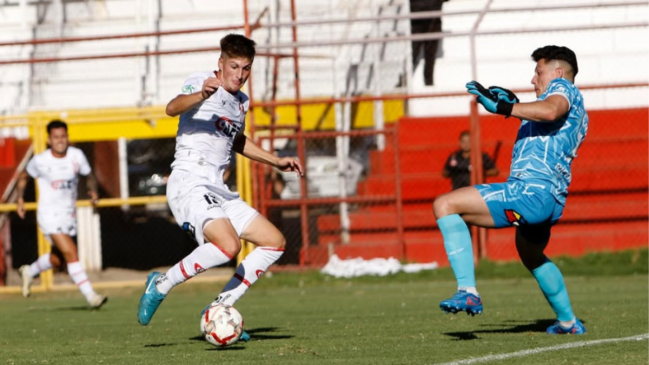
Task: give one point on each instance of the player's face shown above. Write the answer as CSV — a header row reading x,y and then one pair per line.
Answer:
x,y
236,71
543,74
465,143
58,141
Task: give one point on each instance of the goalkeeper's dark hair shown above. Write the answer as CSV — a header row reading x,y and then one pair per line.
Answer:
x,y
56,123
236,45
556,53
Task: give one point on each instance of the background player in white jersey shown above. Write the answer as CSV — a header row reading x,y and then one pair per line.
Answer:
x,y
57,173
212,122
532,200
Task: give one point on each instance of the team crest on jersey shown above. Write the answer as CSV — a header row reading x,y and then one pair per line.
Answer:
x,y
513,217
227,127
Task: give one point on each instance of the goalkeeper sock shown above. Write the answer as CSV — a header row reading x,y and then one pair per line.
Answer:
x,y
41,264
202,258
250,269
554,289
79,276
457,243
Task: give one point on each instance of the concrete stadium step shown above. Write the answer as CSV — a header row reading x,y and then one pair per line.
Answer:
x,y
567,239
580,208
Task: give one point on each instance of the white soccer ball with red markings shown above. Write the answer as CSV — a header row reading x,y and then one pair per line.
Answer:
x,y
222,325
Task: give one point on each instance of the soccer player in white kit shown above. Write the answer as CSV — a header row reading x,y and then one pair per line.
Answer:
x,y
212,113
57,173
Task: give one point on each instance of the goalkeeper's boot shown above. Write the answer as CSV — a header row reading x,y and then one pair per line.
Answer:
x,y
150,300
245,337
576,329
462,301
27,279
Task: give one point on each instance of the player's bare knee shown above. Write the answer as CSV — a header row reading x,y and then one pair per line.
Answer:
x,y
442,206
231,246
278,242
70,256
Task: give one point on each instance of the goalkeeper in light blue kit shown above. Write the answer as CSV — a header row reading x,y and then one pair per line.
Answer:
x,y
533,197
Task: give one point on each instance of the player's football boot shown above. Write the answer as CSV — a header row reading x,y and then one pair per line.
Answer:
x,y
462,301
97,301
150,300
27,279
245,337
576,329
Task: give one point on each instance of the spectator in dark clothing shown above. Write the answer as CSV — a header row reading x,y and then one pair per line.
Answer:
x,y
458,164
428,25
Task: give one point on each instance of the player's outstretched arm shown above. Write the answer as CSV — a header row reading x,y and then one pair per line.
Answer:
x,y
20,192
184,102
548,110
246,147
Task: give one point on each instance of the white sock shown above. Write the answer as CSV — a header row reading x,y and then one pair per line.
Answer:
x,y
202,258
567,324
250,269
41,264
79,276
470,289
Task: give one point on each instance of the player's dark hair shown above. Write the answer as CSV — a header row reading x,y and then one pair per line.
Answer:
x,y
236,45
56,124
464,133
552,53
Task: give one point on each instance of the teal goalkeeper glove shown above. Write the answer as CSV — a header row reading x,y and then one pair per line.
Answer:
x,y
495,99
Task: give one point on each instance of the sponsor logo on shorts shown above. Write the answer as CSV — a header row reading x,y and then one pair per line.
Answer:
x,y
189,229
259,273
513,217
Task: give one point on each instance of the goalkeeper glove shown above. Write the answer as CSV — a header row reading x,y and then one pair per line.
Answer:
x,y
495,99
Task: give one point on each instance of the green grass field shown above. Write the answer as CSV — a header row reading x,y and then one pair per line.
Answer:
x,y
312,319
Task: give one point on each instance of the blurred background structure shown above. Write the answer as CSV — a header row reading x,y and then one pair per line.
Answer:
x,y
369,94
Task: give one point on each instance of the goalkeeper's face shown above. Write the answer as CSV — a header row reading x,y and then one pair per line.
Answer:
x,y
543,74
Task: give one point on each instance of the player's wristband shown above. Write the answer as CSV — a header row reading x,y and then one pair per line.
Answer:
x,y
504,108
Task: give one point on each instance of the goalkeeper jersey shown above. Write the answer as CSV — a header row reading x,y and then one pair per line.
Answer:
x,y
544,150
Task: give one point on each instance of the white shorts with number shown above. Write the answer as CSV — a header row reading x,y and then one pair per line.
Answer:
x,y
57,223
195,200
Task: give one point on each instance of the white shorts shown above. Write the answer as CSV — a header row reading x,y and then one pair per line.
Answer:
x,y
57,223
195,200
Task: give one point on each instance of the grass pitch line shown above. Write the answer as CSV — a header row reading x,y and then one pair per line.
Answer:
x,y
571,345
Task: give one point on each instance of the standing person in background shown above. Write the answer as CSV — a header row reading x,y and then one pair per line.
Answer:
x,y
458,164
428,49
57,172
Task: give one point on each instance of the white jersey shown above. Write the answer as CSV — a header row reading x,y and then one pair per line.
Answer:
x,y
207,131
58,179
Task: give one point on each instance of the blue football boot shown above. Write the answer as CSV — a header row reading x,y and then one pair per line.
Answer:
x,y
576,329
245,337
150,300
462,301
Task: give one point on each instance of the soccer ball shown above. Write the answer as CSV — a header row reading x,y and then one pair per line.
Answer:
x,y
221,325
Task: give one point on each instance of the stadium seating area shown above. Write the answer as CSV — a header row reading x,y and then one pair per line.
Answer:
x,y
606,209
